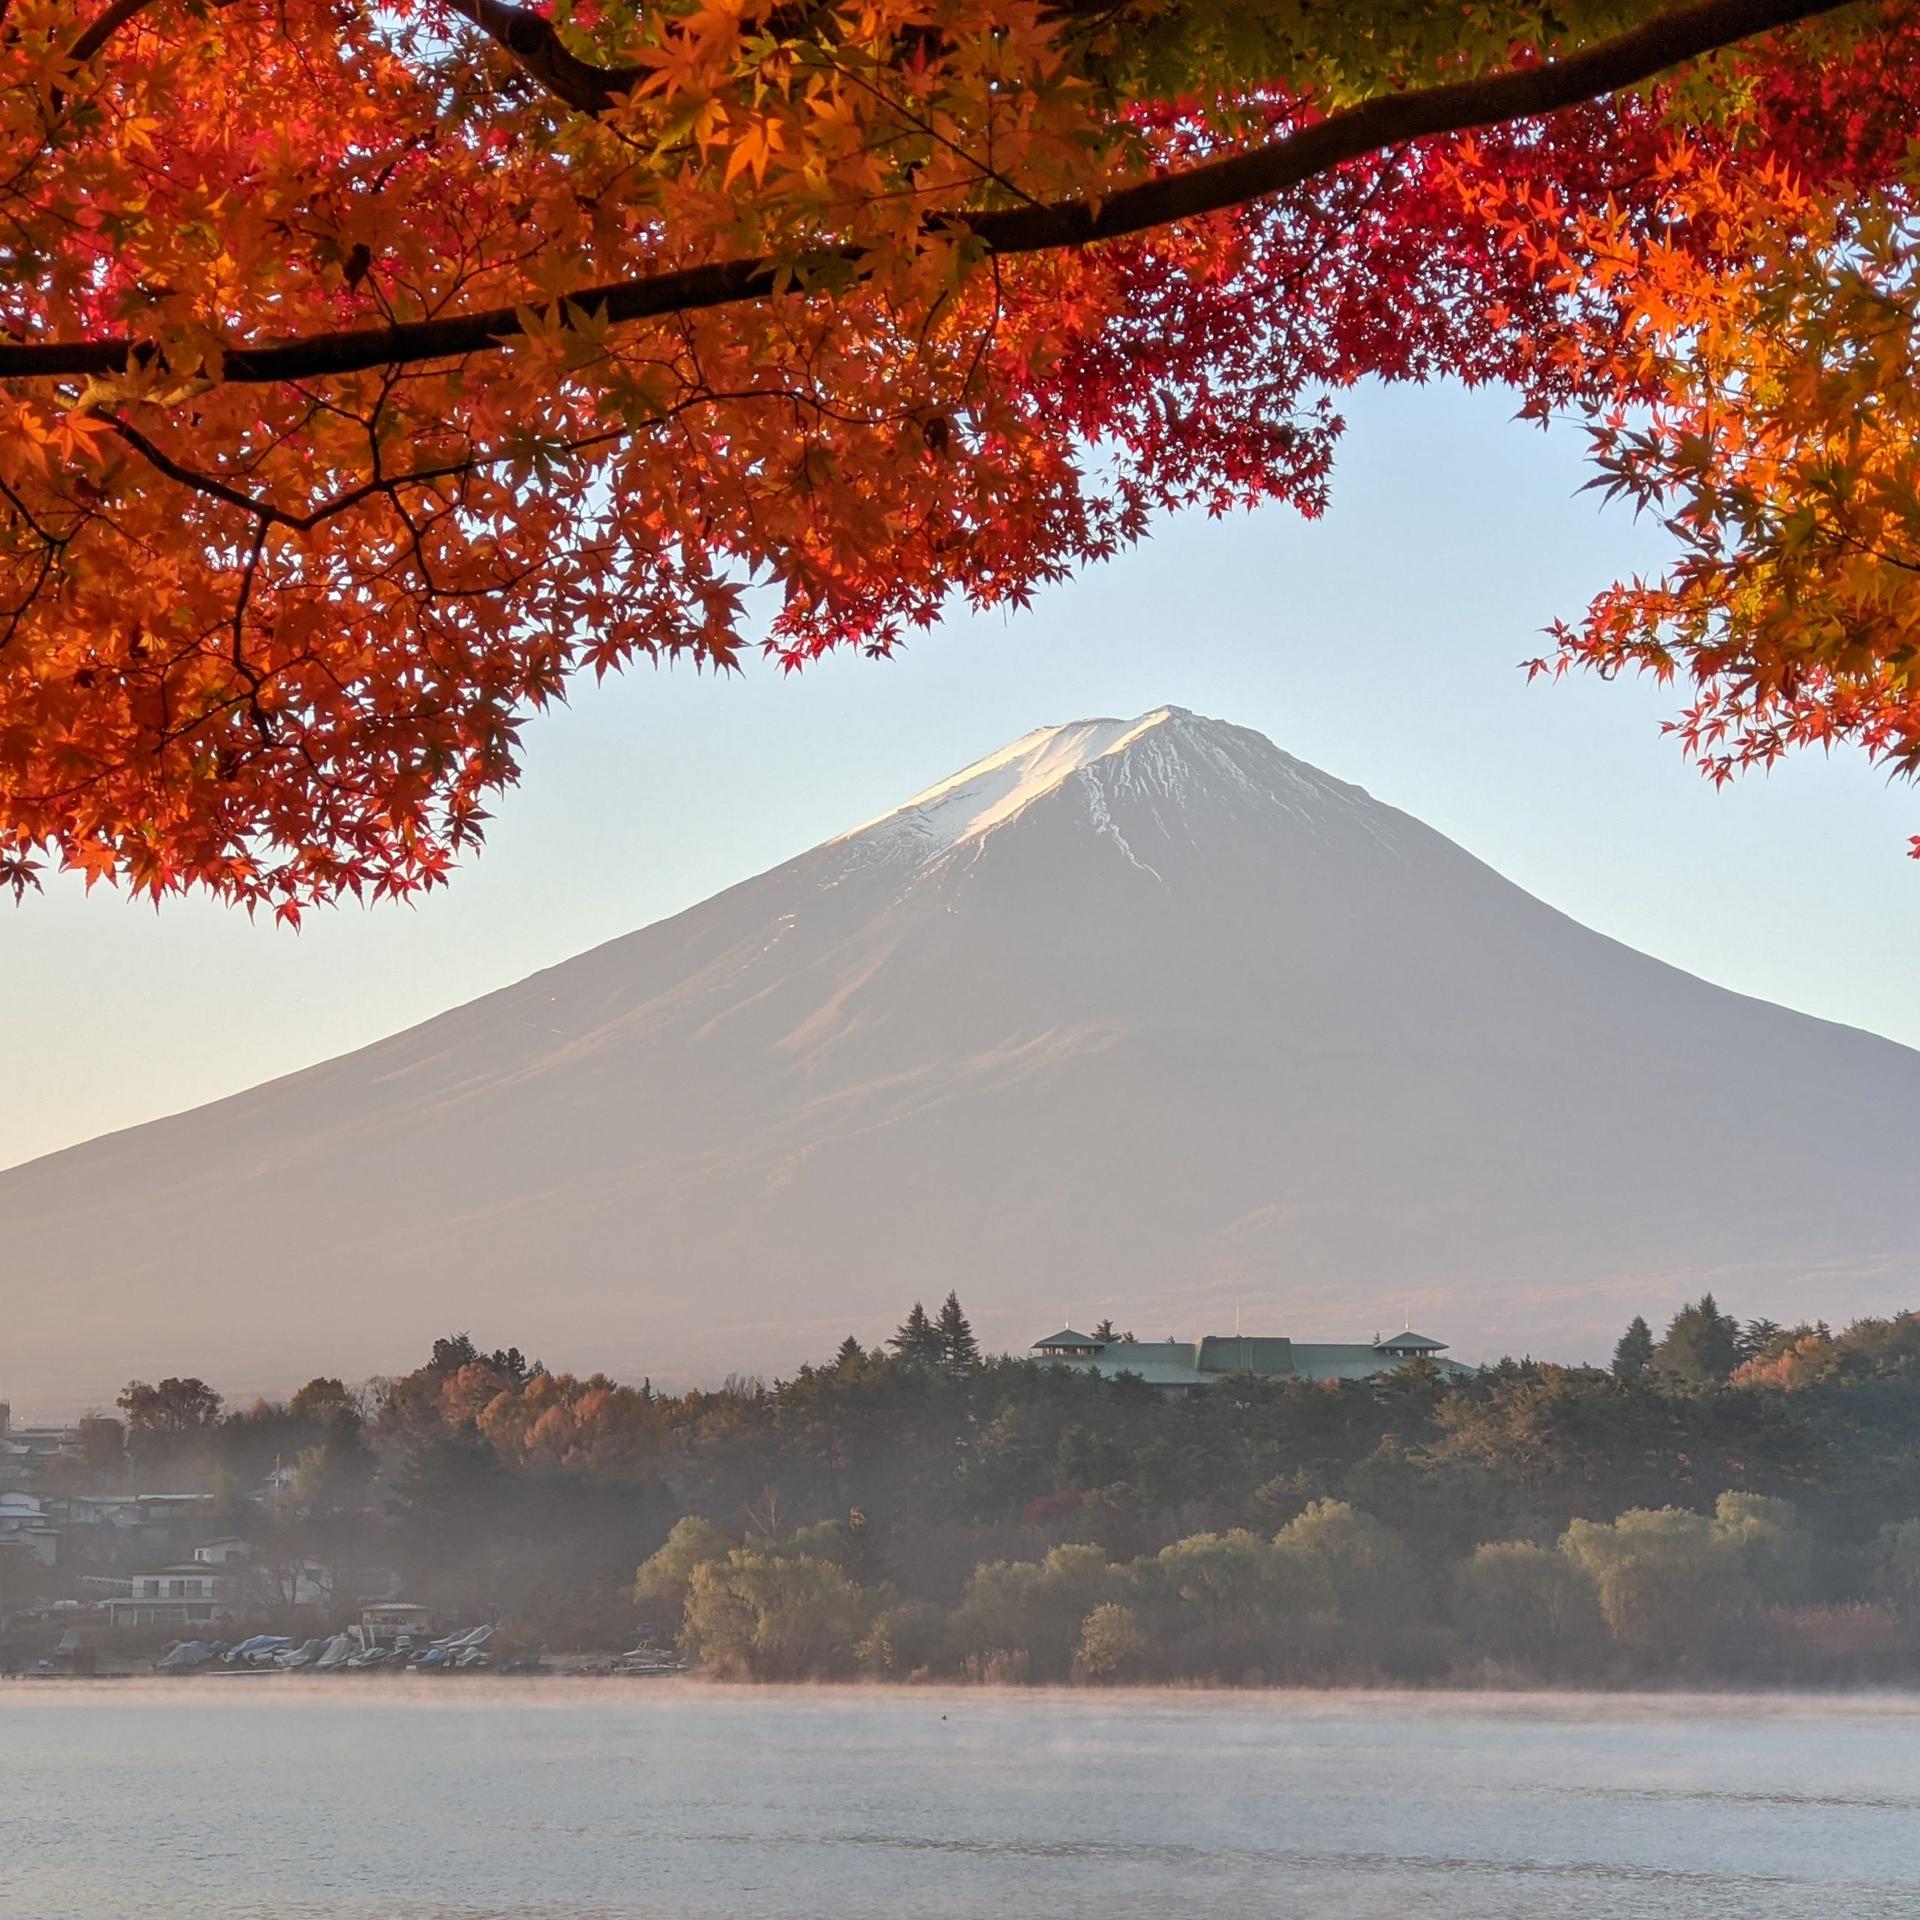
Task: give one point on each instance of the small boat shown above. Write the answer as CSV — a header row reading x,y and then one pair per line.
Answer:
x,y
648,1659
187,1656
335,1653
260,1650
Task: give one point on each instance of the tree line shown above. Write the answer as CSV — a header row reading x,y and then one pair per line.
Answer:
x,y
1333,1595
1727,1501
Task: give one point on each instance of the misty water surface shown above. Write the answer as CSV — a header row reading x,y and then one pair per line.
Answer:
x,y
560,1800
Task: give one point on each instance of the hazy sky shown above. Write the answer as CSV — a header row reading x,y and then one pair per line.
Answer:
x,y
1381,644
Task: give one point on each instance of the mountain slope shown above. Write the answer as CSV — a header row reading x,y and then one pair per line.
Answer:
x,y
1143,1018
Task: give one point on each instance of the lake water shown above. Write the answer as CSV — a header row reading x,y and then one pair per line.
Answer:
x,y
564,1800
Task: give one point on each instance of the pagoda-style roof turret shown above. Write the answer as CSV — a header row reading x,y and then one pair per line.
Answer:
x,y
1409,1342
1067,1341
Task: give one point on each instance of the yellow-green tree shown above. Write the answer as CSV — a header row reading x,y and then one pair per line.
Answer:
x,y
773,1616
1523,1603
1112,1644
1668,1581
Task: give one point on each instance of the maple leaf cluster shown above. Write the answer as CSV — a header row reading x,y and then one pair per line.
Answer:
x,y
369,373
1773,428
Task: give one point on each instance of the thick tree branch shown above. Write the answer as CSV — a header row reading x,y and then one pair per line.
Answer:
x,y
103,27
541,52
1351,134
544,56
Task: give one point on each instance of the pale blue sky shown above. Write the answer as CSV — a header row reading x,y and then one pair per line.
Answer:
x,y
1381,644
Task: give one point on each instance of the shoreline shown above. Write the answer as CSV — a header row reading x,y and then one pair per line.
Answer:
x,y
730,1693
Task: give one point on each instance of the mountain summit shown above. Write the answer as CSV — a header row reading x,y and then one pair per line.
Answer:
x,y
1171,757
1141,1018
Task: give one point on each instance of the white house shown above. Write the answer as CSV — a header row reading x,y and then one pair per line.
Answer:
x,y
226,1550
190,1594
222,1580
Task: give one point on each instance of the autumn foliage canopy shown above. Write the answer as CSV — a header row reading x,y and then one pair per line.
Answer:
x,y
368,372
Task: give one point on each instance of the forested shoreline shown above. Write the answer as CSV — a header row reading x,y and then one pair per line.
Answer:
x,y
1727,1505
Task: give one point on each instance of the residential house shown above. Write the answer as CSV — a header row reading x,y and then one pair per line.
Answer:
x,y
109,1526
26,1527
192,1593
224,1550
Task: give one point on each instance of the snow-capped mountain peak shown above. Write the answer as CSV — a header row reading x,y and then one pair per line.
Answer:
x,y
969,804
1163,768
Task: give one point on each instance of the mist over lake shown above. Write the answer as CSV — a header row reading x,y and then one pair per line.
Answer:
x,y
675,1801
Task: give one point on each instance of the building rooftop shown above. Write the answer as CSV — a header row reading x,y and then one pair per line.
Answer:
x,y
1218,1356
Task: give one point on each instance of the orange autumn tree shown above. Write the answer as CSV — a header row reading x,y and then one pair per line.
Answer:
x,y
367,372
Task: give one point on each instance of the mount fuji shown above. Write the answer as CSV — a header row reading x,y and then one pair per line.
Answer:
x,y
1142,1019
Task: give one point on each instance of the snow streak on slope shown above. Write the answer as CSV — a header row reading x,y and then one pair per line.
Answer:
x,y
992,791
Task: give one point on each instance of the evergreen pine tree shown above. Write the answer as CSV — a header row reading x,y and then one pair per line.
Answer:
x,y
849,1351
1634,1355
958,1347
918,1338
452,1353
1701,1343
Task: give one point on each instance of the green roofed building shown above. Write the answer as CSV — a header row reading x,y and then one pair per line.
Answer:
x,y
1177,1364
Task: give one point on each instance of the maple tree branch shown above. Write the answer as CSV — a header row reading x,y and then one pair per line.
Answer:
x,y
1210,186
103,27
211,485
540,52
45,535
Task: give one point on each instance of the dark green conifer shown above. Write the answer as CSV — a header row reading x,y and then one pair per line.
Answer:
x,y
1634,1355
958,1347
1702,1344
918,1338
